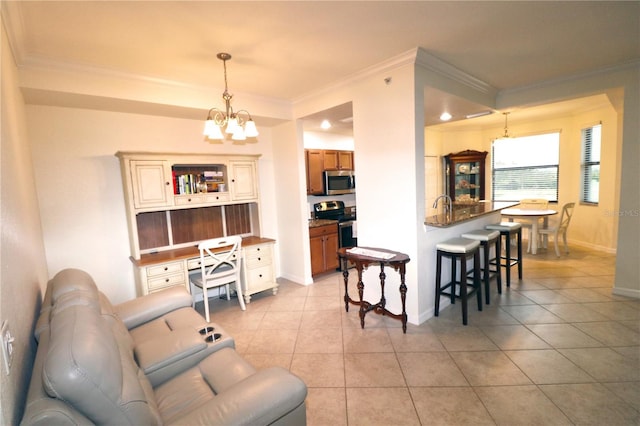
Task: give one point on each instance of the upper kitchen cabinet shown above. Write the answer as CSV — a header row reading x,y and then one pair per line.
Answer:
x,y
465,176
319,160
338,160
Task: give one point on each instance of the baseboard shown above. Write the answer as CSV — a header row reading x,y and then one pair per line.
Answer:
x,y
294,278
627,292
591,246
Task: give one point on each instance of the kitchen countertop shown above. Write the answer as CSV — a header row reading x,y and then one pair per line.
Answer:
x,y
464,213
313,223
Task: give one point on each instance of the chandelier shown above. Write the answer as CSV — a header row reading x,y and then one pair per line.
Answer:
x,y
234,123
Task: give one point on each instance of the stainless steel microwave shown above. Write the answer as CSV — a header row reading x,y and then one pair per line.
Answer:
x,y
338,182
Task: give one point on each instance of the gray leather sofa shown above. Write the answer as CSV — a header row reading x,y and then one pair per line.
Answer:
x,y
152,360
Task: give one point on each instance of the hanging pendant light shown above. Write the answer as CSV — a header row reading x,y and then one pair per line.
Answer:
x,y
234,123
506,127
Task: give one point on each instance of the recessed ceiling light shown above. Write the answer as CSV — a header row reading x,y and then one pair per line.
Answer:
x,y
445,116
325,124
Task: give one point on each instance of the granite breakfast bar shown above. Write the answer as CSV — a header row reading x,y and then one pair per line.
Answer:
x,y
444,226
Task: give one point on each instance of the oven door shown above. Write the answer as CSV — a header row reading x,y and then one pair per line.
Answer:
x,y
347,237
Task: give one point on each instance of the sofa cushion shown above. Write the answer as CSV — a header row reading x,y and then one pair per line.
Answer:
x,y
87,368
225,390
218,372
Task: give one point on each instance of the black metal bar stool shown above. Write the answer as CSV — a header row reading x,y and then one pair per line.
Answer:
x,y
458,249
508,230
487,238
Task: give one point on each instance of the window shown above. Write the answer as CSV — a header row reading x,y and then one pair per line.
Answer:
x,y
590,181
526,167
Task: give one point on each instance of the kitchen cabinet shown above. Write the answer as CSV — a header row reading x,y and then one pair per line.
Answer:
x,y
319,160
323,241
314,160
465,176
338,160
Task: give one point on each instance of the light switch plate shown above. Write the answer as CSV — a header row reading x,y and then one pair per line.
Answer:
x,y
7,346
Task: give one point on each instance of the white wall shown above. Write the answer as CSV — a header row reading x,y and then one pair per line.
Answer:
x,y
292,217
80,189
23,271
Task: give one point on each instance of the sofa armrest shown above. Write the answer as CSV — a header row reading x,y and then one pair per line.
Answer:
x,y
146,308
262,398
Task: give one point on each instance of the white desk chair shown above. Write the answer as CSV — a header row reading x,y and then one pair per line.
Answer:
x,y
219,266
560,228
532,204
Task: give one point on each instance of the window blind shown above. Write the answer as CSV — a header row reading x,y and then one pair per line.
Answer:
x,y
590,176
526,167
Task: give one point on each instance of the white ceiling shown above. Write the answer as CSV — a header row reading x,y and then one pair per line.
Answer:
x,y
286,50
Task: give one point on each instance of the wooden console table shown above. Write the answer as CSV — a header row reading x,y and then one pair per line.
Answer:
x,y
362,260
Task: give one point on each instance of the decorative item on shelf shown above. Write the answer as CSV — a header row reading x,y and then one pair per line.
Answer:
x,y
463,183
463,168
240,128
202,184
466,200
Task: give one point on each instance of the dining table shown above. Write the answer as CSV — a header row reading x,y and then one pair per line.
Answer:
x,y
533,216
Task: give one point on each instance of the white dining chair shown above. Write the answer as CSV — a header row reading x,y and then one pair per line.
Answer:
x,y
560,228
531,204
219,266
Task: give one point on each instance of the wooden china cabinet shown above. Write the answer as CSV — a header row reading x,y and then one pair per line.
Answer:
x,y
465,176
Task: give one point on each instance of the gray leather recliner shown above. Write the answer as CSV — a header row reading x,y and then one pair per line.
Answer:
x,y
88,367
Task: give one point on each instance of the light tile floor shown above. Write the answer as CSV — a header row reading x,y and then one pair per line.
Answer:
x,y
556,348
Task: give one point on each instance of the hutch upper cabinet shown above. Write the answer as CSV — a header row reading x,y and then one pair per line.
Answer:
x,y
465,176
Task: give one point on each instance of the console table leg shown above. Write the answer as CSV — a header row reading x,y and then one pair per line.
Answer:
x,y
382,276
403,297
361,294
345,274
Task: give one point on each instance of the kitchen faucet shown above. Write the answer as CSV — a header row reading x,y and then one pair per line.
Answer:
x,y
447,203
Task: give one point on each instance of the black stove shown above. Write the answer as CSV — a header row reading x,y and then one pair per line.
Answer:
x,y
334,210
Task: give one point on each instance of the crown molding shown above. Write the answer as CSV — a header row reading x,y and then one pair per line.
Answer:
x,y
624,66
437,65
14,26
397,61
416,56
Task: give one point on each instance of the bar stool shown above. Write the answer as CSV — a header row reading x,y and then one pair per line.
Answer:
x,y
458,249
507,230
487,238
